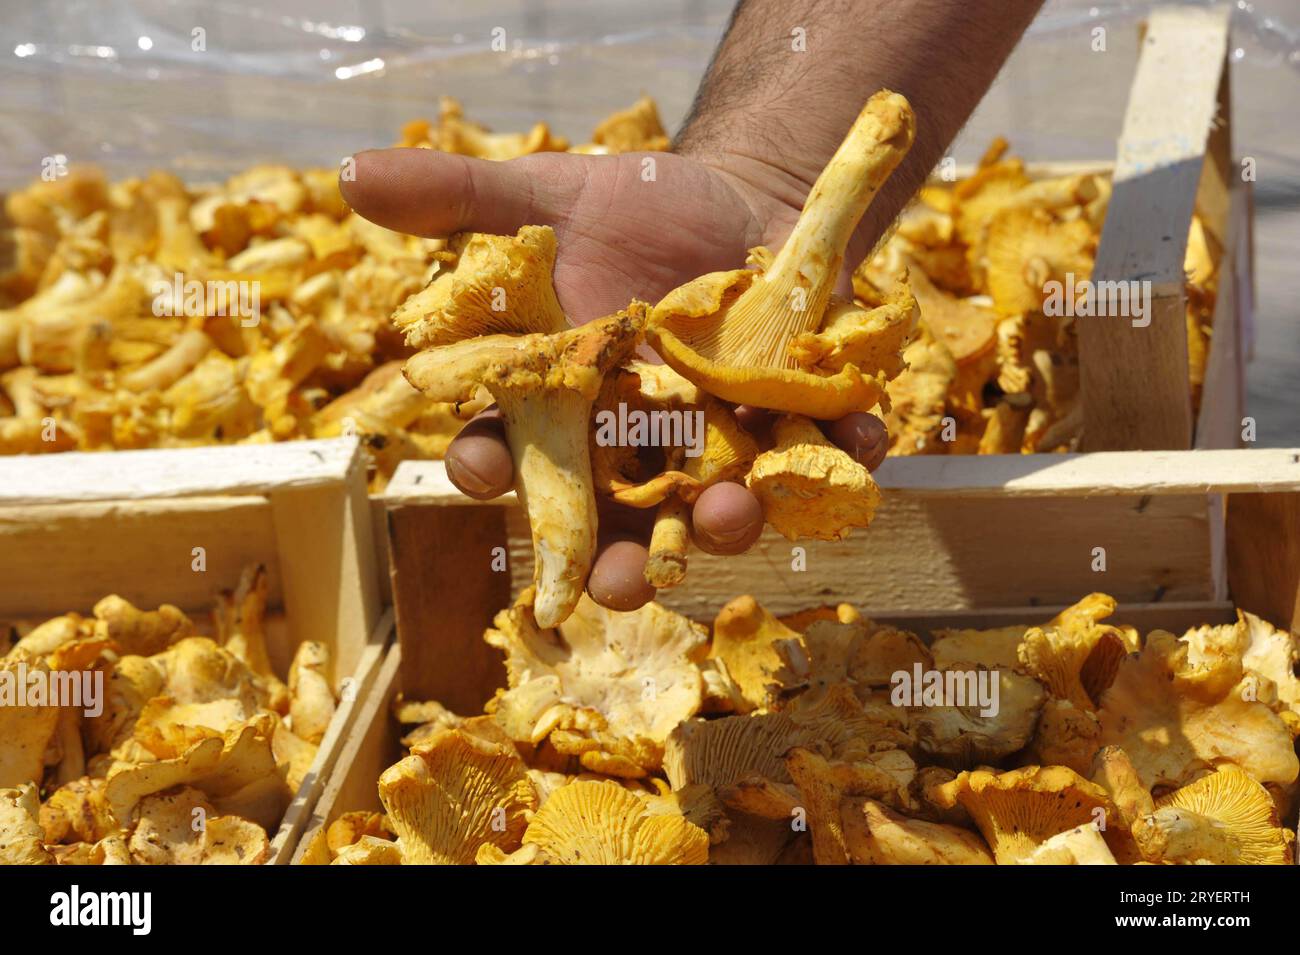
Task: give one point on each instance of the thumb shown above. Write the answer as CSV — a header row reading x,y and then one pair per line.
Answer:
x,y
431,193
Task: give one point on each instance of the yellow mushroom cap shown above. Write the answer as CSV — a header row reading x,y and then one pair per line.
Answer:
x,y
761,655
1175,718
1224,818
1075,665
1082,845
27,730
500,284
601,823
961,736
1027,248
453,794
606,687
874,834
371,850
633,129
994,648
1019,810
21,837
810,488
166,833
732,332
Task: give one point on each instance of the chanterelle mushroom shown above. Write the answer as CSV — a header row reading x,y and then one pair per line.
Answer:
x,y
1082,845
1176,717
876,835
499,326
453,794
1019,810
810,488
607,687
760,654
1225,818
776,337
21,835
601,823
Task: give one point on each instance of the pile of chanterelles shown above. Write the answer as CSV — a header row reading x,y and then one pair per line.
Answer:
x,y
153,313
773,336
825,737
190,755
995,369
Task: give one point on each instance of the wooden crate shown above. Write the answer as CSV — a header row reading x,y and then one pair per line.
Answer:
x,y
999,536
1174,158
442,546
77,527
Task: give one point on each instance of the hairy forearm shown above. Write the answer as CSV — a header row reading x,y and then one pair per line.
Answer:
x,y
773,113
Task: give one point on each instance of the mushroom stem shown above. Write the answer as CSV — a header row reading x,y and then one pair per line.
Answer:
x,y
793,292
666,566
547,434
544,385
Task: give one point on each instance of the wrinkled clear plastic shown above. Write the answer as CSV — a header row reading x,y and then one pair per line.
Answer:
x,y
206,88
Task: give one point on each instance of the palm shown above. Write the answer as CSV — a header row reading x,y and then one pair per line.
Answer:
x,y
639,225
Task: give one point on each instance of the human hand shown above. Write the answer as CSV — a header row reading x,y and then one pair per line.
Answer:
x,y
621,235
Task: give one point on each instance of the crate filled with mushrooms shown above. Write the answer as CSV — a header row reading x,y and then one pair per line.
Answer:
x,y
828,737
182,652
944,689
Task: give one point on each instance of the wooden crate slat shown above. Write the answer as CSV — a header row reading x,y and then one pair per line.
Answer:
x,y
56,558
370,748
356,692
445,593
1133,380
951,553
328,565
1176,616
172,472
1114,473
1223,392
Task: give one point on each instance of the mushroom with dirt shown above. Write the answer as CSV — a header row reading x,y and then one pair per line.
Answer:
x,y
494,321
1224,818
1019,810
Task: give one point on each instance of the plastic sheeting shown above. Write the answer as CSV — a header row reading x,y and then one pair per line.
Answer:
x,y
205,88
208,88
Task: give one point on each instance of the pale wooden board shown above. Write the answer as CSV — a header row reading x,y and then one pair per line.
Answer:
x,y
327,564
1114,473
1223,393
1134,380
371,746
60,558
948,554
353,695
173,472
